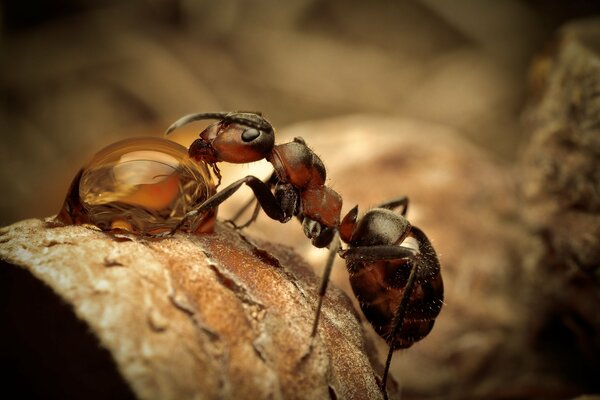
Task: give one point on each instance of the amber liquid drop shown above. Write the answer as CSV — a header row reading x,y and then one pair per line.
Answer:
x,y
141,185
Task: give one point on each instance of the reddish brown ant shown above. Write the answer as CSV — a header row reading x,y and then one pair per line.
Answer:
x,y
399,288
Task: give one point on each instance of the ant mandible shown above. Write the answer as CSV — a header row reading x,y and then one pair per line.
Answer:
x,y
399,288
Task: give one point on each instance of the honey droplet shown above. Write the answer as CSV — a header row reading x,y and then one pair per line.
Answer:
x,y
141,185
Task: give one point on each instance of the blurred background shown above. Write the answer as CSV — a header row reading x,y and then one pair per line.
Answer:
x,y
77,75
421,97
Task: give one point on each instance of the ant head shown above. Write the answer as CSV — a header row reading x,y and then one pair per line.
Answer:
x,y
238,137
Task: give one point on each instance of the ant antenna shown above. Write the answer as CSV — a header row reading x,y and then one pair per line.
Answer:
x,y
251,119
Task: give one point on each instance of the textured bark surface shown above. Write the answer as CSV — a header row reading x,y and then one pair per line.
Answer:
x,y
207,317
562,161
561,186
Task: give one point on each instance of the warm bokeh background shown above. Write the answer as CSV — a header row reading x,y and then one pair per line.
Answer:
x,y
79,74
421,97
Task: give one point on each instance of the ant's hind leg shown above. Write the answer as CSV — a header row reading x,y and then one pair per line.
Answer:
x,y
393,204
369,254
397,323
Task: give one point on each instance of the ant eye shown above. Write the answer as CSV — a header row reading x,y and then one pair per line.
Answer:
x,y
250,134
240,143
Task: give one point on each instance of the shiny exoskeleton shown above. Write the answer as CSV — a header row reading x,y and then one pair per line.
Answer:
x,y
297,186
380,270
399,287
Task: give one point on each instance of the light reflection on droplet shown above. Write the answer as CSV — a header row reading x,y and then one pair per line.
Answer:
x,y
140,185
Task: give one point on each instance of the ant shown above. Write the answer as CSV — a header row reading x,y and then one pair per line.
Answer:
x,y
399,288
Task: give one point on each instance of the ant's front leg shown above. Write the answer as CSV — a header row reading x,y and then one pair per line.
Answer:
x,y
261,190
270,182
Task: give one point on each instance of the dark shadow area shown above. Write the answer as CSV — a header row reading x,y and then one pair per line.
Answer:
x,y
46,352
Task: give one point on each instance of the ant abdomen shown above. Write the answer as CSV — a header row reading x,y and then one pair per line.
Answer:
x,y
380,286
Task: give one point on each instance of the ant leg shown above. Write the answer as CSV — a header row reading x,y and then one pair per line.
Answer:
x,y
368,254
261,190
334,246
377,253
426,259
393,204
397,324
271,181
241,211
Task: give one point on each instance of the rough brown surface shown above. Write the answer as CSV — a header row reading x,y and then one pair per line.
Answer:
x,y
207,317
